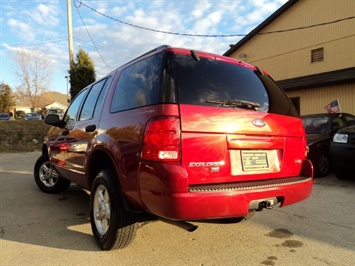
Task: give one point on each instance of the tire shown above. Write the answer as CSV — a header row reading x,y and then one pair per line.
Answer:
x,y
321,164
113,227
48,180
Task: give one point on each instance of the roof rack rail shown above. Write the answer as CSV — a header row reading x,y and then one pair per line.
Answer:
x,y
161,47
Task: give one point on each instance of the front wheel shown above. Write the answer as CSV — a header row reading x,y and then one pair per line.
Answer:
x,y
321,164
113,227
48,180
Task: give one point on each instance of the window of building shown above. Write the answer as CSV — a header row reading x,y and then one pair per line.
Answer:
x,y
317,55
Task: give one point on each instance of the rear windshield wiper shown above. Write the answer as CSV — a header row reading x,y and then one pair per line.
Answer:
x,y
236,103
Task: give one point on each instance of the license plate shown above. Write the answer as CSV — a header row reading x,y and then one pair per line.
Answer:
x,y
254,160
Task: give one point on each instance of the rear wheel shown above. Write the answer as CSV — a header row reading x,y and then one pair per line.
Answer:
x,y
112,226
47,179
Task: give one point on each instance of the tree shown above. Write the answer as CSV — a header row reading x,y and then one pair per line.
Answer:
x,y
7,99
82,73
34,75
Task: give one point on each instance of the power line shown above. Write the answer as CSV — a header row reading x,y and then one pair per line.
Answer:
x,y
309,26
159,31
106,49
92,39
36,43
207,35
255,61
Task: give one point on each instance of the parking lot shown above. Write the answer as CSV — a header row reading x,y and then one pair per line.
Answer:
x,y
41,229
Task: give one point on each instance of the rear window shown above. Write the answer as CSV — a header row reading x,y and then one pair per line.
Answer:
x,y
210,80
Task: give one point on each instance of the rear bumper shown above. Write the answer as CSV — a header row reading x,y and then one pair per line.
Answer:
x,y
213,205
211,202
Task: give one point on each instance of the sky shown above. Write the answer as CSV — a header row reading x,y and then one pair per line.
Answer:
x,y
114,32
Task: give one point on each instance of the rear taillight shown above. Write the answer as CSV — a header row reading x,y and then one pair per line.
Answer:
x,y
162,140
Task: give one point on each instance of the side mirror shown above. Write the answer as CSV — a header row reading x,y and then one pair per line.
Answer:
x,y
53,120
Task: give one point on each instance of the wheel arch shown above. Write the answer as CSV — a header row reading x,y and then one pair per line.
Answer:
x,y
45,149
99,160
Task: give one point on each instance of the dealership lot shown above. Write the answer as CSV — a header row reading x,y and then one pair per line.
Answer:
x,y
41,229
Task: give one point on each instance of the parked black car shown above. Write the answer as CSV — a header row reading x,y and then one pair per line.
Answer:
x,y
320,129
342,151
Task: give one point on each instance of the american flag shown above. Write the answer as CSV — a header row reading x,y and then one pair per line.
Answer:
x,y
333,107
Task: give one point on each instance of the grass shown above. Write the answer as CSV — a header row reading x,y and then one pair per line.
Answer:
x,y
22,135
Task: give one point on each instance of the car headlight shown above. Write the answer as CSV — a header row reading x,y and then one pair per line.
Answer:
x,y
340,138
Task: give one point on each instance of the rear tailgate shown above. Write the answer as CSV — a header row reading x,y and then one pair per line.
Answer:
x,y
223,145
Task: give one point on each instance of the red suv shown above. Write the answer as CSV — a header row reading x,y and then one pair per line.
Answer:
x,y
180,135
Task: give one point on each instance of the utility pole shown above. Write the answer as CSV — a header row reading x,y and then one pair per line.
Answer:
x,y
70,35
70,42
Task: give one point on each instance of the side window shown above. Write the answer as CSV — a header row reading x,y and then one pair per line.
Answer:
x,y
101,97
92,99
337,123
350,119
138,85
73,109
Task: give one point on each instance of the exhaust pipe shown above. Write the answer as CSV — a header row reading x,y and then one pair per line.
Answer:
x,y
182,224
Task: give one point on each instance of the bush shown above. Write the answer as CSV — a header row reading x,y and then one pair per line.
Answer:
x,y
22,135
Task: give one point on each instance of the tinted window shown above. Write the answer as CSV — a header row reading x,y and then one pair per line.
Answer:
x,y
93,101
206,79
73,109
138,85
337,123
101,97
350,119
316,125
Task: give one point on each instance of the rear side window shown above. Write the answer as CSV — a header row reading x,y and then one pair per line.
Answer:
x,y
138,85
208,80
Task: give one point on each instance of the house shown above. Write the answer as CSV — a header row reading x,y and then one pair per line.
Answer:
x,y
308,47
56,105
50,100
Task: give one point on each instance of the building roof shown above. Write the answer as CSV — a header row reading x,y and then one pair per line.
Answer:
x,y
56,105
55,96
49,98
261,26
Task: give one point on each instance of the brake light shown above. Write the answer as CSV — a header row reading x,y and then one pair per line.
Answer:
x,y
307,151
162,140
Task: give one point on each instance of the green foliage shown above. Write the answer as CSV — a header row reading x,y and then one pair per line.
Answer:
x,y
82,73
7,100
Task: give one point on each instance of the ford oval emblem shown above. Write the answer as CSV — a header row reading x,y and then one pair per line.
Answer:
x,y
259,123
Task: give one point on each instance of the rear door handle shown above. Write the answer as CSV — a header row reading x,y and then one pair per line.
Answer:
x,y
90,128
